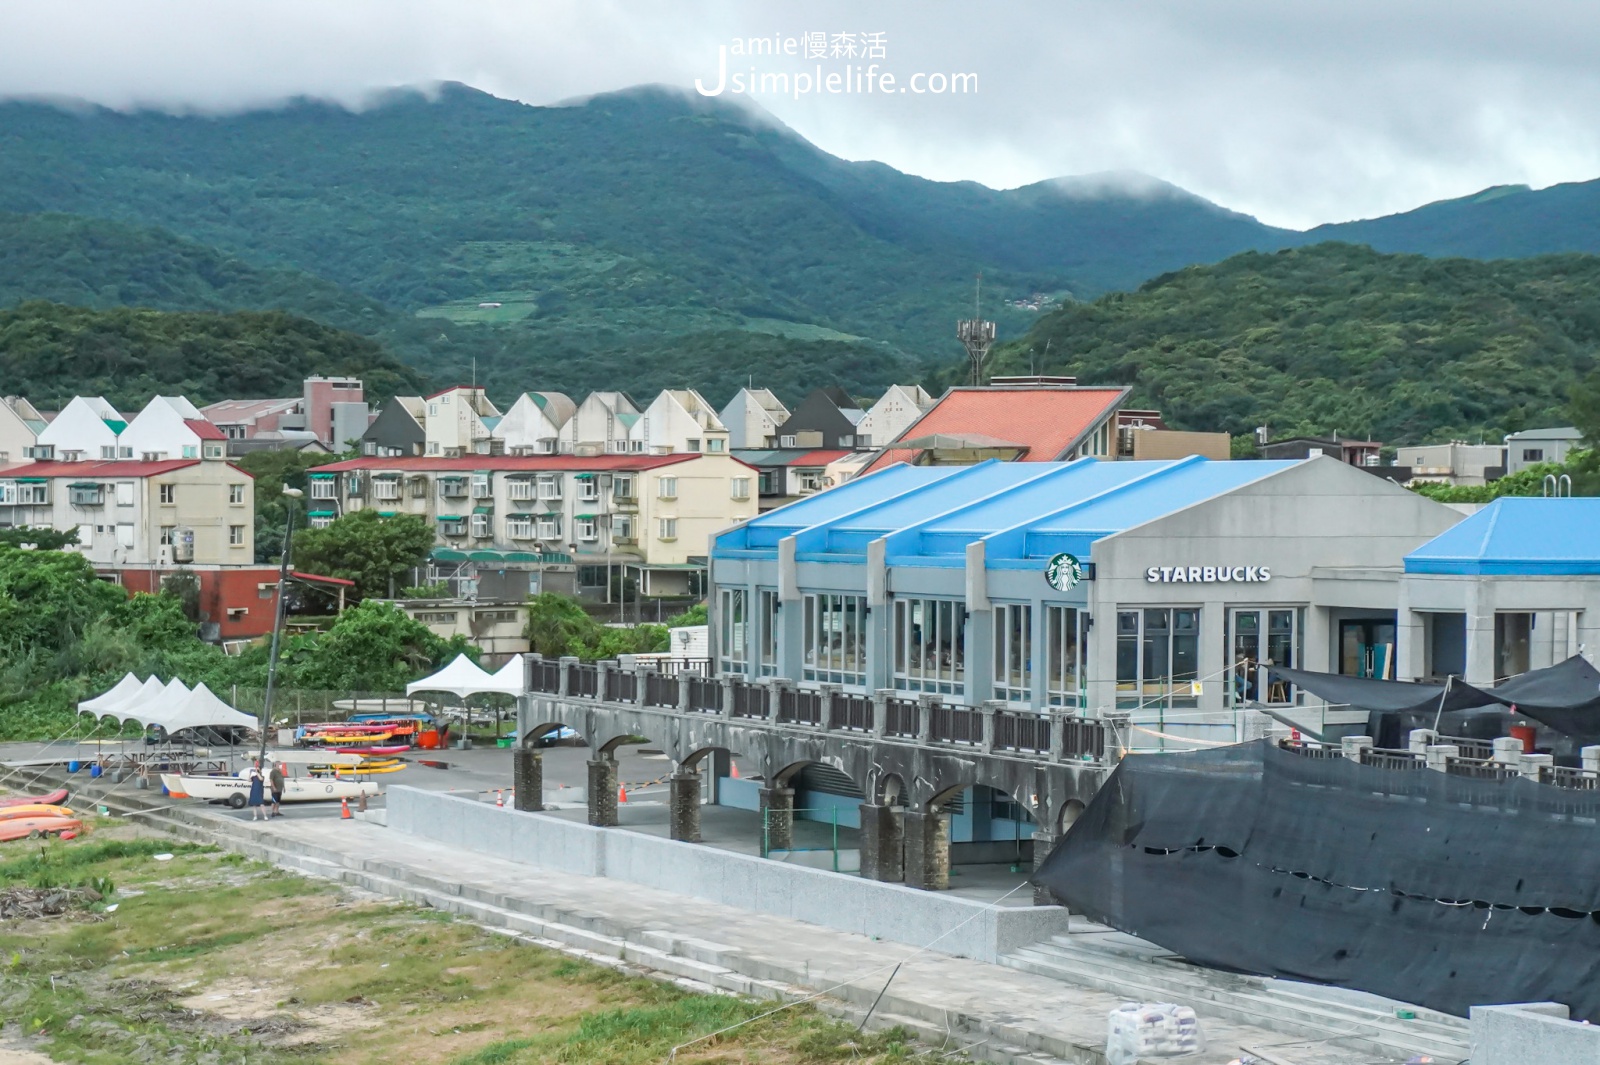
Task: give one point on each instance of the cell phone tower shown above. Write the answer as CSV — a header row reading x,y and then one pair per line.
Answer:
x,y
976,335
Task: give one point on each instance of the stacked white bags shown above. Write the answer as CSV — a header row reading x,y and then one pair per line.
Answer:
x,y
1151,1030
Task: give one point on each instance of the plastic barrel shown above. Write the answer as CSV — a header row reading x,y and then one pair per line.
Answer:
x,y
73,766
1525,733
94,771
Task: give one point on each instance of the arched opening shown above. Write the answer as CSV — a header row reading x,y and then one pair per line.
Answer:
x,y
549,734
890,790
1071,810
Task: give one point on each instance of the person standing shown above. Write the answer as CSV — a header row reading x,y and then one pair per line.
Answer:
x,y
275,783
253,775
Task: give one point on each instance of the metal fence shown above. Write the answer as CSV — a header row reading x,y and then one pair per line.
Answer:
x,y
799,706
955,724
1480,769
660,690
292,707
849,711
705,695
903,718
1014,731
1081,738
1562,776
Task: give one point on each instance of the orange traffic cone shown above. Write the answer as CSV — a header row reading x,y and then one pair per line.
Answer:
x,y
499,797
344,809
733,771
622,793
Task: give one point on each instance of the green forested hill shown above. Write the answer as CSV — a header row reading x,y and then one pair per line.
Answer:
x,y
49,352
632,221
1336,337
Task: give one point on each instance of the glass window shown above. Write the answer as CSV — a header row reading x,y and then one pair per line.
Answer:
x,y
731,646
1066,654
480,525
767,637
550,527
622,487
669,528
169,492
235,535
519,527
520,488
587,530
930,645
741,488
1158,654
1013,652
669,488
836,638
715,445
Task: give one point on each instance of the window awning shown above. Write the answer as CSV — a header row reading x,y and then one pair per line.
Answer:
x,y
319,514
453,518
584,476
483,510
456,554
586,517
85,484
386,477
31,480
452,477
388,513
323,476
520,514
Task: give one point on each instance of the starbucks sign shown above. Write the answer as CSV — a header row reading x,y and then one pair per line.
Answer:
x,y
1063,572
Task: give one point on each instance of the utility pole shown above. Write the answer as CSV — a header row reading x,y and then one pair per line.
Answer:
x,y
976,335
290,494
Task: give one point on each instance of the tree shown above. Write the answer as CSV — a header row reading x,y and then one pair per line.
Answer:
x,y
271,471
370,647
48,599
377,553
38,536
558,626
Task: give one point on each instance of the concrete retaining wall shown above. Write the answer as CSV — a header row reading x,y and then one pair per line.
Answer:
x,y
1532,1033
945,923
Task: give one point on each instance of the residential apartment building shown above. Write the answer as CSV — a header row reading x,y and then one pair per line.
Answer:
x,y
398,429
139,521
1457,462
827,418
678,421
650,516
753,415
1533,446
459,422
20,426
86,428
602,425
532,425
170,427
895,411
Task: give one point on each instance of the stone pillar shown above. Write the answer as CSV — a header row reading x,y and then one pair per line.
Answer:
x,y
880,710
527,778
1590,756
684,677
1352,746
777,819
1508,751
1117,723
1418,740
565,685
988,708
1532,763
1481,666
925,705
1043,844
882,844
684,811
1439,755
726,680
603,792
927,850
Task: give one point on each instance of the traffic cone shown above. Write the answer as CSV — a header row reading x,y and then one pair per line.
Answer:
x,y
733,771
622,793
344,809
499,797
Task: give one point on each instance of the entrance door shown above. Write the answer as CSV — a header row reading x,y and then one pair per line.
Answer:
x,y
1366,649
1260,637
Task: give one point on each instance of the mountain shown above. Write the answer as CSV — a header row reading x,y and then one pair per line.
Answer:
x,y
49,352
1338,338
536,240
1508,221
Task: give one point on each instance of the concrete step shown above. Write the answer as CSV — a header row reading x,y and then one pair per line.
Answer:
x,y
1099,951
1245,1000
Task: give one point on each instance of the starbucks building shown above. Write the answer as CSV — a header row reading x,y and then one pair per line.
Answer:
x,y
1161,589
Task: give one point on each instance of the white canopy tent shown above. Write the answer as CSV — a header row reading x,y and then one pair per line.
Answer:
x,y
461,678
511,678
203,709
121,692
140,705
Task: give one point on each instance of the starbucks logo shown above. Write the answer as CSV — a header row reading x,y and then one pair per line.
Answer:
x,y
1063,572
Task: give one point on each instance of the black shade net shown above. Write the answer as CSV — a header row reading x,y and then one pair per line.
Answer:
x,y
1441,890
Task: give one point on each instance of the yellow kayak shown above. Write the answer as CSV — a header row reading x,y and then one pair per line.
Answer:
x,y
10,813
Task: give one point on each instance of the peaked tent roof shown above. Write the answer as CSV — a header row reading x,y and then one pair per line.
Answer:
x,y
120,692
461,678
509,679
203,709
1526,536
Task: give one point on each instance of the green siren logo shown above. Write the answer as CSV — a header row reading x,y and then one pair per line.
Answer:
x,y
1063,572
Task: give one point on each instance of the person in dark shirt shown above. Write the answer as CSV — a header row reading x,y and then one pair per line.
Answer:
x,y
275,781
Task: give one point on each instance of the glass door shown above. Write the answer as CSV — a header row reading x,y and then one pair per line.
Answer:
x,y
1366,649
1261,638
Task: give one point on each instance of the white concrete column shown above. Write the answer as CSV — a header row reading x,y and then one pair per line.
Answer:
x,y
1102,664
1439,755
1409,634
1318,646
1352,746
1480,633
1532,763
1214,658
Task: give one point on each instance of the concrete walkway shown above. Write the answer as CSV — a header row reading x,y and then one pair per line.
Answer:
x,y
991,1012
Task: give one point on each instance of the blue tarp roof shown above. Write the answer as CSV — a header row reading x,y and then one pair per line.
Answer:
x,y
1518,537
1025,511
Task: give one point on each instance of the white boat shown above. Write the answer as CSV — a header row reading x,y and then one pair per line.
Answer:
x,y
235,791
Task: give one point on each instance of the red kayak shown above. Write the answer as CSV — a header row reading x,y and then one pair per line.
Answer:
x,y
55,798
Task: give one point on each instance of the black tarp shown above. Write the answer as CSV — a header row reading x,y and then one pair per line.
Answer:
x,y
1442,890
1566,697
1394,695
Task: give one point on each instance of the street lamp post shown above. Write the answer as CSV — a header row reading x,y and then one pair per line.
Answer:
x,y
291,494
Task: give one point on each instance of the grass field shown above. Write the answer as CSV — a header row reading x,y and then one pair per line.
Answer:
x,y
206,957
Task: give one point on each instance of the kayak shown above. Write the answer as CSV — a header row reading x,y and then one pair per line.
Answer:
x,y
393,748
11,813
34,827
235,791
54,798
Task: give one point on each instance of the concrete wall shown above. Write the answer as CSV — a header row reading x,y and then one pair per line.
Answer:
x,y
1532,1033
944,923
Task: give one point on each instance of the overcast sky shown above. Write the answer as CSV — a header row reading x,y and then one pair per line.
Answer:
x,y
1296,111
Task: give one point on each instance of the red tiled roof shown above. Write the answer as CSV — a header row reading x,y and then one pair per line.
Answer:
x,y
469,463
87,470
1047,421
320,579
204,429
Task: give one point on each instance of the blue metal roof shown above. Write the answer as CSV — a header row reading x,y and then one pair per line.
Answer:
x,y
1518,537
1025,511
